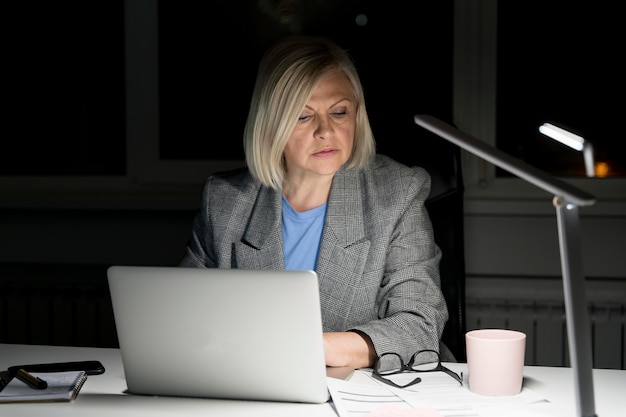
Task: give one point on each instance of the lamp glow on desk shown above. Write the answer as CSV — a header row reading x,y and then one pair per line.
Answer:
x,y
566,200
573,141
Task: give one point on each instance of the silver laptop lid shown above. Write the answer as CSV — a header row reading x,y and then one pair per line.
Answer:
x,y
220,333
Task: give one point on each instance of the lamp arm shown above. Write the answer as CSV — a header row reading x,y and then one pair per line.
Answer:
x,y
505,161
576,313
590,169
566,199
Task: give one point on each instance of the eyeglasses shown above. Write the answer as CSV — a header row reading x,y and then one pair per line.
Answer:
x,y
422,361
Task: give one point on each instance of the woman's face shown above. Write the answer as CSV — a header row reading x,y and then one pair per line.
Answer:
x,y
322,139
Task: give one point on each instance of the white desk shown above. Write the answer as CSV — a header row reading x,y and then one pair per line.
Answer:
x,y
103,395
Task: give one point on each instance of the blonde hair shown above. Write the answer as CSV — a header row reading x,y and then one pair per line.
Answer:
x,y
287,75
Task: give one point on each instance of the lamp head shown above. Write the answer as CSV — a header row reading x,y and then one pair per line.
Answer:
x,y
564,136
573,141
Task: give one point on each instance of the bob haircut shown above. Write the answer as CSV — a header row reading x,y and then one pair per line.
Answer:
x,y
287,74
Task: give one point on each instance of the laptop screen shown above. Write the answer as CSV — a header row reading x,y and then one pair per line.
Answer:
x,y
220,333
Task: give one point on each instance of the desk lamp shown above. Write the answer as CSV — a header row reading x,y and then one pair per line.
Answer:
x,y
566,200
573,141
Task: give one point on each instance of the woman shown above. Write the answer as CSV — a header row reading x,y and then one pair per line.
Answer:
x,y
315,196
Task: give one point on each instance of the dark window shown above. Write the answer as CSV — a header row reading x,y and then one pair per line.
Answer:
x,y
561,62
209,52
67,113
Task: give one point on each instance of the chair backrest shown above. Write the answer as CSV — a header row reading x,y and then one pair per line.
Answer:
x,y
442,160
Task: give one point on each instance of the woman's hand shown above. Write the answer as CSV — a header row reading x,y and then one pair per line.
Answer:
x,y
352,349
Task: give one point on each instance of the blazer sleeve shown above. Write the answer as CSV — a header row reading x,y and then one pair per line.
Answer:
x,y
411,310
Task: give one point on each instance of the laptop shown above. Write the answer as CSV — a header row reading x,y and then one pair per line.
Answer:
x,y
220,333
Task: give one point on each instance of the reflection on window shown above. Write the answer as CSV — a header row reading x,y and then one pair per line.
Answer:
x,y
561,63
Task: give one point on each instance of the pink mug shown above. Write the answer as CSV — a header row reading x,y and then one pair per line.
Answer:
x,y
495,361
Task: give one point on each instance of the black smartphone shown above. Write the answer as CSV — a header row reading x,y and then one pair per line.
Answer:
x,y
90,367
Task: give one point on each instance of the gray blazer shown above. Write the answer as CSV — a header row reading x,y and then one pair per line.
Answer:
x,y
378,263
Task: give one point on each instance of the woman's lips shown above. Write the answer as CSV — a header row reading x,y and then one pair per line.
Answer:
x,y
325,152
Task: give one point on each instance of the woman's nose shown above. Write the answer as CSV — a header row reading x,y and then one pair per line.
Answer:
x,y
324,128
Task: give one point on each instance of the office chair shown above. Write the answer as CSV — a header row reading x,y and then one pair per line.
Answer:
x,y
445,208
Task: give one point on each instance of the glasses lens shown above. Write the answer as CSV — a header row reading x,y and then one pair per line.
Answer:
x,y
426,360
389,363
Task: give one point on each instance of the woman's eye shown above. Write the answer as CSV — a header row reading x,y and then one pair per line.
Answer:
x,y
303,118
339,113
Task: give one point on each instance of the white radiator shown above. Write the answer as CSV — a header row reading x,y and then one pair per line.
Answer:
x,y
543,321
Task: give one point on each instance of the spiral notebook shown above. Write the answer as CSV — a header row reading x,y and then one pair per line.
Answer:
x,y
61,386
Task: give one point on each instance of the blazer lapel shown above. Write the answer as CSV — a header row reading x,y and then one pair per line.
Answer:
x,y
344,250
261,246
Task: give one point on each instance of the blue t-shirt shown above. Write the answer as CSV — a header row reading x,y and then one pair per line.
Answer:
x,y
302,233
